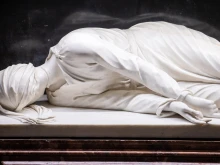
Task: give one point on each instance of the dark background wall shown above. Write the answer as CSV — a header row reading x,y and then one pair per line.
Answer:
x,y
30,27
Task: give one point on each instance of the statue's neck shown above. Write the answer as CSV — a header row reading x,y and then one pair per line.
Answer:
x,y
54,74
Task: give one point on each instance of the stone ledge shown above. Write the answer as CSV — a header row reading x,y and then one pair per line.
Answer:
x,y
77,122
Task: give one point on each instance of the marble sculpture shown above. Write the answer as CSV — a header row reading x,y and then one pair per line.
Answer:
x,y
153,67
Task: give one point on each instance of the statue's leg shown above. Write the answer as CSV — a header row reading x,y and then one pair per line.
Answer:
x,y
139,102
205,91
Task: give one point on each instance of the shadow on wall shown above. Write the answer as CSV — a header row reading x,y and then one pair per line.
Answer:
x,y
35,49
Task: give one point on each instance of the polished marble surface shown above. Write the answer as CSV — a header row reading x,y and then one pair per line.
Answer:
x,y
77,122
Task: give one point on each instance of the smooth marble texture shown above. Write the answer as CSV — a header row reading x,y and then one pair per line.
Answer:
x,y
153,67
77,122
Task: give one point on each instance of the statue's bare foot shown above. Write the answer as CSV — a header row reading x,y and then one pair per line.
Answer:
x,y
207,107
188,113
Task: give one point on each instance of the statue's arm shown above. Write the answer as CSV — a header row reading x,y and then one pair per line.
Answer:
x,y
112,57
128,100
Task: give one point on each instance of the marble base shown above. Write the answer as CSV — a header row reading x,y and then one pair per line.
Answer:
x,y
77,122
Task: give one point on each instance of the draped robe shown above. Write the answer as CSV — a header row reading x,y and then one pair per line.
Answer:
x,y
140,69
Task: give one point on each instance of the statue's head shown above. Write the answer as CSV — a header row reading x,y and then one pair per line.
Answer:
x,y
18,86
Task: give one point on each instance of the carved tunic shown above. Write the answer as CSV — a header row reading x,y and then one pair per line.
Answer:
x,y
148,58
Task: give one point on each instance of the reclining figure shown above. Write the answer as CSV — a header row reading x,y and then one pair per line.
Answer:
x,y
153,67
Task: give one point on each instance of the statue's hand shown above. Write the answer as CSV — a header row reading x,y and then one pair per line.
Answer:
x,y
188,113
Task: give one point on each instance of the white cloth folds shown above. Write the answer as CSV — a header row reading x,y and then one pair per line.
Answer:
x,y
18,88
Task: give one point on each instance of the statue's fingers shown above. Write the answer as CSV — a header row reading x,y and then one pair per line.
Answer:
x,y
195,113
194,120
206,119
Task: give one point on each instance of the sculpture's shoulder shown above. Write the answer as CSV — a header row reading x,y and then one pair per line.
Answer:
x,y
96,32
79,34
96,35
107,34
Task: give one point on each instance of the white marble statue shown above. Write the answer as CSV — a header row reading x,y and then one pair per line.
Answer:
x,y
153,67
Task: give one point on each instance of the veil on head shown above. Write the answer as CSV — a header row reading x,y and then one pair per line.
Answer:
x,y
18,86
